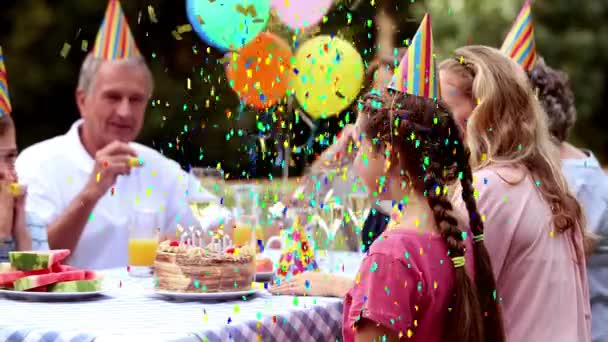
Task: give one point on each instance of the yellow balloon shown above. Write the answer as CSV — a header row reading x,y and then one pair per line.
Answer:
x,y
328,76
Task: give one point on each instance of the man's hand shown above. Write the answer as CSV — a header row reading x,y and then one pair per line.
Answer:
x,y
114,160
346,137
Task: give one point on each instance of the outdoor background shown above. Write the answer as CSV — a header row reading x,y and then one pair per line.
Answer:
x,y
205,125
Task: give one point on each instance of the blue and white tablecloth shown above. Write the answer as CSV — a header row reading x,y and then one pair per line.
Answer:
x,y
131,312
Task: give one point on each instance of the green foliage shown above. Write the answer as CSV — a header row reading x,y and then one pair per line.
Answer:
x,y
183,125
570,35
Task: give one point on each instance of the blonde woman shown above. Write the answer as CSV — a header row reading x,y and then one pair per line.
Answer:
x,y
534,226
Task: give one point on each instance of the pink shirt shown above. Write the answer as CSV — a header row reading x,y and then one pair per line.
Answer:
x,y
407,277
543,290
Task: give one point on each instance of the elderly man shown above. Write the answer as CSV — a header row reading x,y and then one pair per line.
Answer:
x,y
87,184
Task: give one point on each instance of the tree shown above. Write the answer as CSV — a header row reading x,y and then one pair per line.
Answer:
x,y
203,124
570,35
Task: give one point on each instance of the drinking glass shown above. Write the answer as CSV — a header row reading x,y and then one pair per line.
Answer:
x,y
247,212
329,217
205,180
144,232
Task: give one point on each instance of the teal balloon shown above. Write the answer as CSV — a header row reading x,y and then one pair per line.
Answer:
x,y
228,24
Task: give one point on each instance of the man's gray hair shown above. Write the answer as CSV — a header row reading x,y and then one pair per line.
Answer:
x,y
91,65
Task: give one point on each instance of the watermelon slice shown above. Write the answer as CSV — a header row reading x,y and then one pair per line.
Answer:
x,y
91,275
7,278
39,289
76,286
57,267
33,260
33,281
88,274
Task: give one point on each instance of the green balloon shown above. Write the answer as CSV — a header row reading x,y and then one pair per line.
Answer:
x,y
228,24
328,75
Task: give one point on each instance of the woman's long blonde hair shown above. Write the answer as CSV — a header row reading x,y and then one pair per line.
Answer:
x,y
508,126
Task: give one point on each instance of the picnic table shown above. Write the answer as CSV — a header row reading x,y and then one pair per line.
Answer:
x,y
129,310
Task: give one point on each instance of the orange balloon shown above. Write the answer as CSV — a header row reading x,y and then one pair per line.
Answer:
x,y
259,72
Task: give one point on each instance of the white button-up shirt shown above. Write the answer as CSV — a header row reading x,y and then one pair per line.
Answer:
x,y
57,170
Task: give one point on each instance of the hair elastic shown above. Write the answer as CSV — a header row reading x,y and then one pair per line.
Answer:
x,y
458,261
478,238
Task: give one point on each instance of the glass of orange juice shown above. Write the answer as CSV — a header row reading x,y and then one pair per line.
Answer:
x,y
247,215
244,230
143,242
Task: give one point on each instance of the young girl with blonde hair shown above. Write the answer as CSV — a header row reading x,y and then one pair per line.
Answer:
x,y
535,226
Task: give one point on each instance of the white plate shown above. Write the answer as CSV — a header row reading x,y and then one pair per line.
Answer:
x,y
264,276
206,295
36,296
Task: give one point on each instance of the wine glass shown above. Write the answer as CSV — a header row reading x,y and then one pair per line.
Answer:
x,y
204,183
329,216
358,206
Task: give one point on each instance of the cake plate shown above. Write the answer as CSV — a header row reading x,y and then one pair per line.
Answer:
x,y
206,296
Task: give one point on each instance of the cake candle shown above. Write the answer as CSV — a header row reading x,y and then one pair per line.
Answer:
x,y
199,242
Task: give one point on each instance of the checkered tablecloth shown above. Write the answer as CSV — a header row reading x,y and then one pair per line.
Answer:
x,y
130,311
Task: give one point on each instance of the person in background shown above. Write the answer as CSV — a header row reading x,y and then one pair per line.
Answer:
x,y
14,232
14,235
85,185
586,179
19,230
341,155
534,225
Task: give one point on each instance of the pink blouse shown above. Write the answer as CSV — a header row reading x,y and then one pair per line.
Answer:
x,y
542,286
404,284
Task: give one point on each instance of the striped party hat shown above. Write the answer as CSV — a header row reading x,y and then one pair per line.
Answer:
x,y
417,73
114,39
520,44
5,100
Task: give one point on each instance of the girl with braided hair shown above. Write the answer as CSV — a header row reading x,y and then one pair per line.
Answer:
x,y
535,226
424,276
428,277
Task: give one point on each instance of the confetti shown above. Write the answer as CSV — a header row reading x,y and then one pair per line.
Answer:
x,y
176,35
65,50
184,28
151,14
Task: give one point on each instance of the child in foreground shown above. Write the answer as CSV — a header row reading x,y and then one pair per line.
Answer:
x,y
18,231
418,279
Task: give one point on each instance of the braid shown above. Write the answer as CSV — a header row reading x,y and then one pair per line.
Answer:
x,y
468,193
484,276
462,320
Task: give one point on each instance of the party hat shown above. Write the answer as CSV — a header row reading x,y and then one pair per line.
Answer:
x,y
5,100
114,39
417,73
298,256
520,44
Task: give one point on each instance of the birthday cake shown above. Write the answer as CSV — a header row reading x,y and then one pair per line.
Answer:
x,y
218,267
